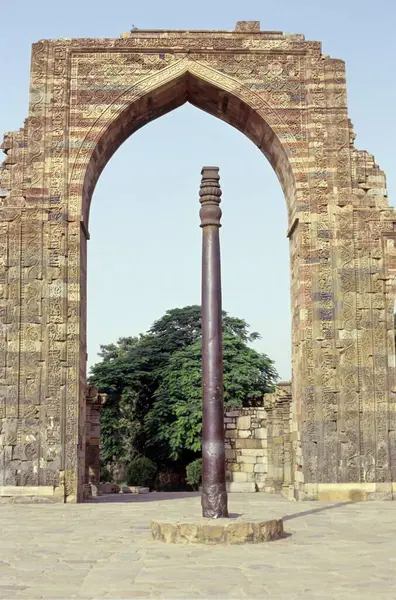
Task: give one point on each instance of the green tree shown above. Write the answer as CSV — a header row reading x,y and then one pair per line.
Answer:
x,y
128,373
181,327
154,385
174,422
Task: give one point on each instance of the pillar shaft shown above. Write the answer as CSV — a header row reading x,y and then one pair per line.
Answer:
x,y
214,495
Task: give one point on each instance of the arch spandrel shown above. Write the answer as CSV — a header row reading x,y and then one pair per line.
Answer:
x,y
86,97
130,111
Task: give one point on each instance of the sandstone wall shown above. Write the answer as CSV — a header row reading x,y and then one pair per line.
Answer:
x,y
259,450
87,96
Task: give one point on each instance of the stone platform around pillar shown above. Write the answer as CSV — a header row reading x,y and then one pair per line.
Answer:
x,y
235,530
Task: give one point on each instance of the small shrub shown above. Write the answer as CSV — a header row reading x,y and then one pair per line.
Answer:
x,y
141,472
105,473
194,473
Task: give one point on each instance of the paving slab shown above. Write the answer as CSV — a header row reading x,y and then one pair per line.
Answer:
x,y
104,549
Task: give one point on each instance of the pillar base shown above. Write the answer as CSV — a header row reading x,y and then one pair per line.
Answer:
x,y
217,531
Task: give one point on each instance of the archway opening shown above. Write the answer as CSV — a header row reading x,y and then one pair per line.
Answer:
x,y
208,97
146,242
148,109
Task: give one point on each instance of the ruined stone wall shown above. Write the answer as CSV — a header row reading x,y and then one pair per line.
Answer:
x,y
87,96
94,402
258,445
246,449
282,462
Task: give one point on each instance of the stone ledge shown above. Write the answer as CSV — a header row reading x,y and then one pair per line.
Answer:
x,y
31,493
240,486
217,531
347,492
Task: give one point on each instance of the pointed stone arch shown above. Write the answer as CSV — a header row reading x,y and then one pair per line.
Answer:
x,y
86,97
187,81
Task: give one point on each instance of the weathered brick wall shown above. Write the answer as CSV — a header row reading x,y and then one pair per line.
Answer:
x,y
258,445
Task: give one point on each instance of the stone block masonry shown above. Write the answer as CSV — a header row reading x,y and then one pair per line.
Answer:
x,y
258,451
87,96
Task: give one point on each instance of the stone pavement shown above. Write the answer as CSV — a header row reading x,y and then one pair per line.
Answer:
x,y
104,549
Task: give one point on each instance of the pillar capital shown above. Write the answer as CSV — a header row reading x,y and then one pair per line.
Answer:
x,y
210,197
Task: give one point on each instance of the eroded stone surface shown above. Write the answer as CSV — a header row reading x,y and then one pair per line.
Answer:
x,y
217,531
109,488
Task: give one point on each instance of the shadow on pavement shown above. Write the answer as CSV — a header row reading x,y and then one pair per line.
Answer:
x,y
316,510
150,497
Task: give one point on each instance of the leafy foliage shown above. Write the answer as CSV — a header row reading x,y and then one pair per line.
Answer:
x,y
174,422
141,471
154,386
194,473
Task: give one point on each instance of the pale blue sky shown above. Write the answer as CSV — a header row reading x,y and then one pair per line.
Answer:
x,y
144,253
